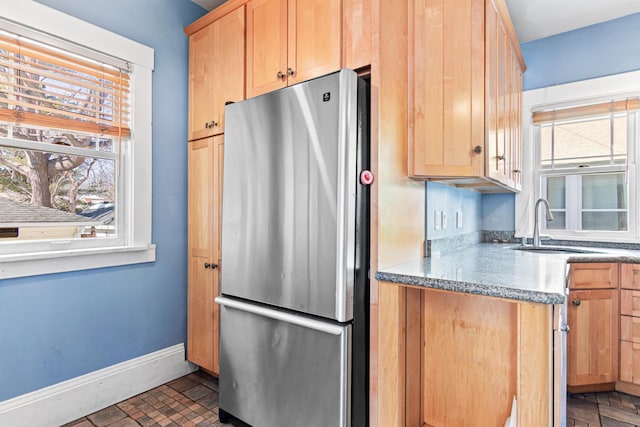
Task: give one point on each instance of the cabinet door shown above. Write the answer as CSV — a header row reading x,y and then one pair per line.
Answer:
x,y
446,89
203,246
314,38
228,75
216,73
357,33
630,362
630,302
593,275
498,142
201,83
629,328
592,351
515,155
266,46
630,276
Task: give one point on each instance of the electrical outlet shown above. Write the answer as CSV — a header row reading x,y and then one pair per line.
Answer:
x,y
459,219
437,220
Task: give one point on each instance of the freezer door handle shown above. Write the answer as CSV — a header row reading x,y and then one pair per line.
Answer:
x,y
305,322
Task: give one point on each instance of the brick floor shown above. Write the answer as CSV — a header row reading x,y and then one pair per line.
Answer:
x,y
190,401
607,409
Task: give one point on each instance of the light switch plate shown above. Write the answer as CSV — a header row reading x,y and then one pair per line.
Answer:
x,y
459,219
437,220
444,220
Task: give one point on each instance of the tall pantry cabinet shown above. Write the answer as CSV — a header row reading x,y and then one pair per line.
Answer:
x,y
242,49
216,77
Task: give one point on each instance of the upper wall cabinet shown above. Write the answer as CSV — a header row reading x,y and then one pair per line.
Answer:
x,y
291,41
216,72
465,77
356,40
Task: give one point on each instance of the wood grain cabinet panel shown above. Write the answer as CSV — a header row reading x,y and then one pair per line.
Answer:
x,y
289,41
356,44
216,73
630,276
594,316
630,362
629,329
592,350
630,302
204,204
593,276
465,76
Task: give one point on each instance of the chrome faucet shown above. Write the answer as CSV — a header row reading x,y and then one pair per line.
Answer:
x,y
536,230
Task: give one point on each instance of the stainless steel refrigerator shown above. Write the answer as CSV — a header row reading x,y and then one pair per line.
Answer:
x,y
295,244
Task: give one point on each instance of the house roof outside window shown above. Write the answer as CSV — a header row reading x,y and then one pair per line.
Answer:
x,y
20,214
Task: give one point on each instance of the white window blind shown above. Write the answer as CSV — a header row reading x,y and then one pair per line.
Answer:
x,y
41,85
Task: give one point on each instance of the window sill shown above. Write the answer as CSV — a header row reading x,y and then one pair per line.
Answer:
x,y
37,263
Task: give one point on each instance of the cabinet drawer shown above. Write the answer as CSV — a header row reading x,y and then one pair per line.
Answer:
x,y
630,329
630,362
630,276
630,302
593,276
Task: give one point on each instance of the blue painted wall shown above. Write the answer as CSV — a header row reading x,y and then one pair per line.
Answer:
x,y
603,49
610,47
441,197
56,327
498,212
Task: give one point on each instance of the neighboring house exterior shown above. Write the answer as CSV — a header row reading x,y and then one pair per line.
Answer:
x,y
23,221
104,214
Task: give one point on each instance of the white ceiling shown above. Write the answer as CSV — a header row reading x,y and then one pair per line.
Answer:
x,y
209,4
535,19
542,18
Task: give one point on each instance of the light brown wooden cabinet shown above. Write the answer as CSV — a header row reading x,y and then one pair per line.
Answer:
x,y
204,204
356,43
630,327
216,72
593,315
426,346
216,77
290,41
465,73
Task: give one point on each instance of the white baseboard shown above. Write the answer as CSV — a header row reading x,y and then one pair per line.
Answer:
x,y
69,400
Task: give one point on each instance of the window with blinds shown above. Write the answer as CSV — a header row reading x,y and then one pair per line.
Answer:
x,y
586,159
64,116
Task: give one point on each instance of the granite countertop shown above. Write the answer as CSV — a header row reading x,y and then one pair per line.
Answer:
x,y
496,270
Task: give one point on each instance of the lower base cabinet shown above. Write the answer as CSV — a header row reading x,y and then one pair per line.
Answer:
x,y
462,359
603,350
592,350
630,362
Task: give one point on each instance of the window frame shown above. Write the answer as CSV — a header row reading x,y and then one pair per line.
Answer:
x,y
61,256
595,90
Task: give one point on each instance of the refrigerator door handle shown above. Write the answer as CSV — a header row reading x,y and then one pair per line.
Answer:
x,y
304,322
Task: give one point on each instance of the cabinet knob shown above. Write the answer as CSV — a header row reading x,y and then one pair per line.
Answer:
x,y
576,302
207,265
290,72
211,124
501,157
517,171
477,149
280,75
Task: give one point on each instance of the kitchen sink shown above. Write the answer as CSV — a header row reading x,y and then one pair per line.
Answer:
x,y
555,250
